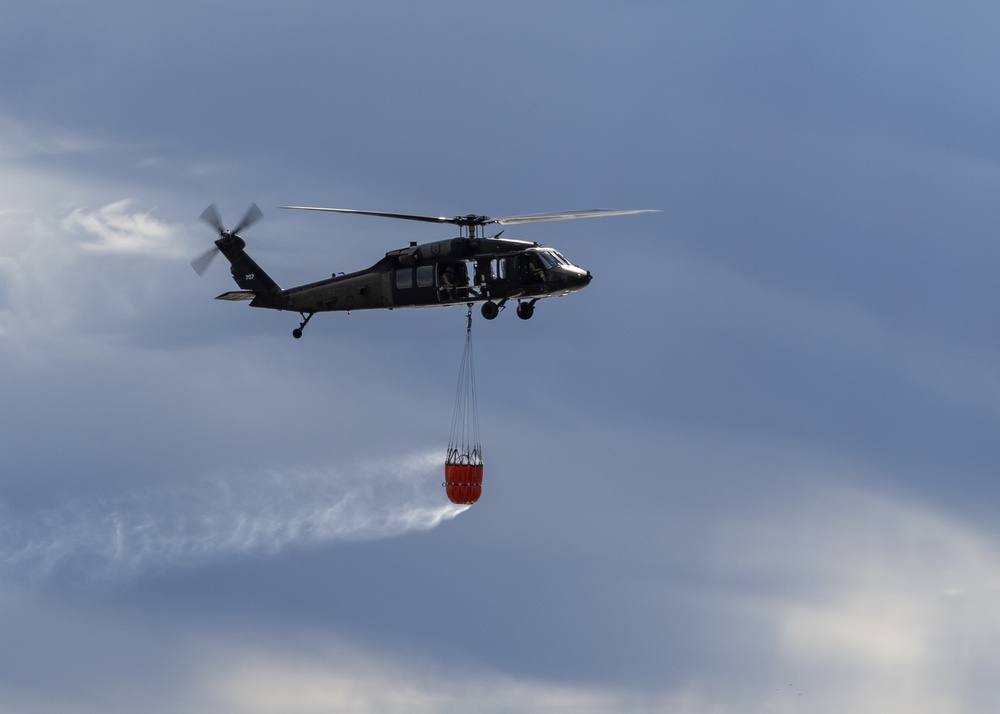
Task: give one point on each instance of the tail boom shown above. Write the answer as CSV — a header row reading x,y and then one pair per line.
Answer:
x,y
255,284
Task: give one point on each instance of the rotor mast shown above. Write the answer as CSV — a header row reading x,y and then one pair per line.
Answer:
x,y
471,223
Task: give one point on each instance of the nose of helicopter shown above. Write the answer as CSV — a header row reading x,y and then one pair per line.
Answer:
x,y
577,279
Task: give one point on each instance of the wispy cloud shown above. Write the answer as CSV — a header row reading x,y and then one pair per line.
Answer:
x,y
47,229
115,229
21,140
235,514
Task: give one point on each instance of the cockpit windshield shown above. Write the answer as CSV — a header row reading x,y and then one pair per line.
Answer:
x,y
551,258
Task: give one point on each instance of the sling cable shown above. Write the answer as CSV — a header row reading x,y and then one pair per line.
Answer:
x,y
463,466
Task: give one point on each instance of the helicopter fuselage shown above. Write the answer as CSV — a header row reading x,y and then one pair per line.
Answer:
x,y
447,272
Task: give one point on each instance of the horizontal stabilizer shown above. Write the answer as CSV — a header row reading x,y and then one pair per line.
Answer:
x,y
236,295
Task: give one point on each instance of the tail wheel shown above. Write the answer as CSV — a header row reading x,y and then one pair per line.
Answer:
x,y
306,317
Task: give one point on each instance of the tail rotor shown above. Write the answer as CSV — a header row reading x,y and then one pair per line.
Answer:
x,y
211,216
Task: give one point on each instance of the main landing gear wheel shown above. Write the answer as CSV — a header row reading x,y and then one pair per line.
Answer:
x,y
525,310
490,310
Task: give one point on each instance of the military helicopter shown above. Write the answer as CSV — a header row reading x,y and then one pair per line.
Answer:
x,y
472,268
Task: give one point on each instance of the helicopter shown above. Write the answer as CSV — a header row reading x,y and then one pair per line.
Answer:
x,y
472,268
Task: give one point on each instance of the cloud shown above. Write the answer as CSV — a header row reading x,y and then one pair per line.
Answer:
x,y
54,285
295,689
116,230
874,604
235,514
70,277
20,140
344,677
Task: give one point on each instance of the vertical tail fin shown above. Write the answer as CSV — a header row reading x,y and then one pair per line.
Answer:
x,y
248,275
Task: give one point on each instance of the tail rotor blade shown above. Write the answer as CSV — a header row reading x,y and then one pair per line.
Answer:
x,y
253,215
211,216
201,263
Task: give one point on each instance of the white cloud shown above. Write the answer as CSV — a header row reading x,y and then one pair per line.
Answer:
x,y
871,629
114,229
347,679
53,285
19,140
876,604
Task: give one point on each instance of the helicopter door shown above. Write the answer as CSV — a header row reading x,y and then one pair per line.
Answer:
x,y
453,281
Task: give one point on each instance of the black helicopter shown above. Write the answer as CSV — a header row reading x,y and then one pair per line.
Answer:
x,y
471,268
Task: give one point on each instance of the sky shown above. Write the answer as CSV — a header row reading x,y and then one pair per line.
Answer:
x,y
751,468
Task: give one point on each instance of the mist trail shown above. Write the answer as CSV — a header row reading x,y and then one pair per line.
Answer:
x,y
232,514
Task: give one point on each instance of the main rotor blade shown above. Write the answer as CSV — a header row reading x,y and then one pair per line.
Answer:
x,y
253,215
201,263
566,215
383,214
474,220
211,216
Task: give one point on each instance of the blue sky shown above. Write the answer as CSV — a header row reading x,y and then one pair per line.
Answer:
x,y
750,469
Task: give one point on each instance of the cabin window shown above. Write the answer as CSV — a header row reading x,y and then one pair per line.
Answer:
x,y
425,276
500,268
404,278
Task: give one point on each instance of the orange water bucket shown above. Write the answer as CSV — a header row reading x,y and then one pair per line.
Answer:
x,y
463,482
